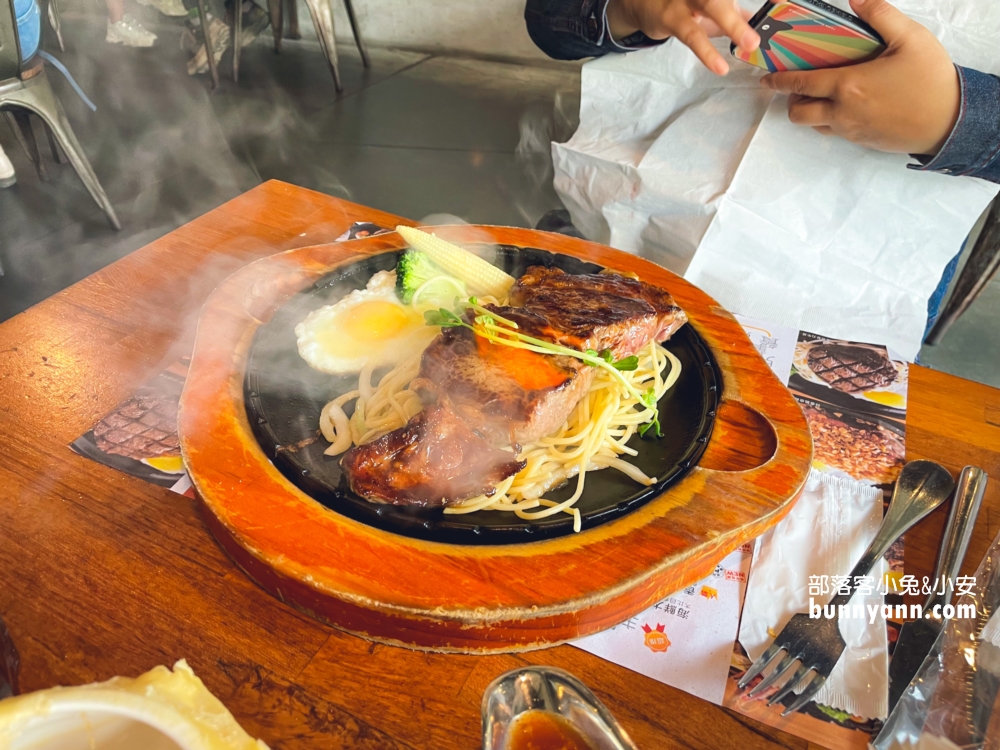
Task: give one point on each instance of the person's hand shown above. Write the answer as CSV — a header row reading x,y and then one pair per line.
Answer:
x,y
904,101
691,21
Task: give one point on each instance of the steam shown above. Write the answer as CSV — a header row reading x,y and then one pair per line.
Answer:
x,y
165,157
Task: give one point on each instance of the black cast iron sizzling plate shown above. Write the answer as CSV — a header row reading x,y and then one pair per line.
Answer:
x,y
284,397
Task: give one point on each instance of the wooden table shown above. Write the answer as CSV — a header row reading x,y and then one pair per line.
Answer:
x,y
104,574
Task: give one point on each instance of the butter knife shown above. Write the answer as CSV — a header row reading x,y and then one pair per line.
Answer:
x,y
917,636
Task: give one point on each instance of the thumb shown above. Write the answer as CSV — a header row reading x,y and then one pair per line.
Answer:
x,y
887,20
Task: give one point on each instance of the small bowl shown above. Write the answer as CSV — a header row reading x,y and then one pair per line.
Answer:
x,y
553,690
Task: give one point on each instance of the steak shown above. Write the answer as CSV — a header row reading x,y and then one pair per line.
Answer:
x,y
508,396
436,459
851,369
513,396
517,396
593,311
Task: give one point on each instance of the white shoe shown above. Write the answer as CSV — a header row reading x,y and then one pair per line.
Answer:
x,y
173,8
129,32
7,176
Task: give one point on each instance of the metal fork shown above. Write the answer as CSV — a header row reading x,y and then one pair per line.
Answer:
x,y
816,644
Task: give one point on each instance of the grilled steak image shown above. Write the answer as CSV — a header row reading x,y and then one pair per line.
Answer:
x,y
851,369
144,426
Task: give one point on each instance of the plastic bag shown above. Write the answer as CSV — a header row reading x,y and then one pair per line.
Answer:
x,y
955,695
846,514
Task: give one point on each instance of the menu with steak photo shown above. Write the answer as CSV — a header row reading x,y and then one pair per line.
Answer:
x,y
854,397
139,436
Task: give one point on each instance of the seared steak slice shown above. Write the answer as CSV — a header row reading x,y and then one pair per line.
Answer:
x,y
851,369
436,459
593,311
510,395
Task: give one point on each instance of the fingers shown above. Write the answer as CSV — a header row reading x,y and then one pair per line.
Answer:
x,y
728,17
889,22
812,112
818,84
824,130
712,28
694,36
694,22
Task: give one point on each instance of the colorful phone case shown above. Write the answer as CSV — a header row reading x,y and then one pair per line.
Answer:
x,y
808,35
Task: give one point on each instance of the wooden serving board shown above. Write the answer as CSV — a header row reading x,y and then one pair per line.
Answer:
x,y
480,599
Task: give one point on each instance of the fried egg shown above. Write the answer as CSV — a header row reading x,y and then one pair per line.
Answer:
x,y
166,464
368,327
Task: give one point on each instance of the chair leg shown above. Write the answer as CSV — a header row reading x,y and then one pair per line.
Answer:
x,y
357,34
56,153
292,8
40,99
322,18
237,37
208,44
18,135
983,263
52,11
277,21
28,142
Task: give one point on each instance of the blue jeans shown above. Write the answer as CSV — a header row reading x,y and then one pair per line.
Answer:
x,y
937,298
29,26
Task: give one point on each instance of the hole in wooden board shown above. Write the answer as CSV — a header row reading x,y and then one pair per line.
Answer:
x,y
742,439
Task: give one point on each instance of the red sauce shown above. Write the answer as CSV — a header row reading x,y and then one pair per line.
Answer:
x,y
541,730
532,371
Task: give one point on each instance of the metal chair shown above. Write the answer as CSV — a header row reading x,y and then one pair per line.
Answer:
x,y
24,88
982,265
321,12
50,11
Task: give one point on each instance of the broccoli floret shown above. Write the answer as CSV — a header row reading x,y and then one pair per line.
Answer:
x,y
414,269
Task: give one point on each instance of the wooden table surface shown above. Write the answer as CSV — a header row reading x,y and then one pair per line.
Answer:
x,y
104,574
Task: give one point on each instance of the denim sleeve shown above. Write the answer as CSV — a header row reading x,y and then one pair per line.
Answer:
x,y
973,148
574,29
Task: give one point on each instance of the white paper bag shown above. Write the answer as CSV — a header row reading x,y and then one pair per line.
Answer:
x,y
707,176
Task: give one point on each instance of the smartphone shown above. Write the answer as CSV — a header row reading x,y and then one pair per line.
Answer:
x,y
809,34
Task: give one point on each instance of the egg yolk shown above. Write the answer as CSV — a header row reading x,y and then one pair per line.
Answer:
x,y
887,398
170,464
376,321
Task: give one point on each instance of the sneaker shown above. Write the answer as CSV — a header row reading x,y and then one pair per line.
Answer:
x,y
7,176
129,32
172,8
220,35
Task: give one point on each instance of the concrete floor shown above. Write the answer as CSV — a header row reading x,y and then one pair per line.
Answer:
x,y
415,135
